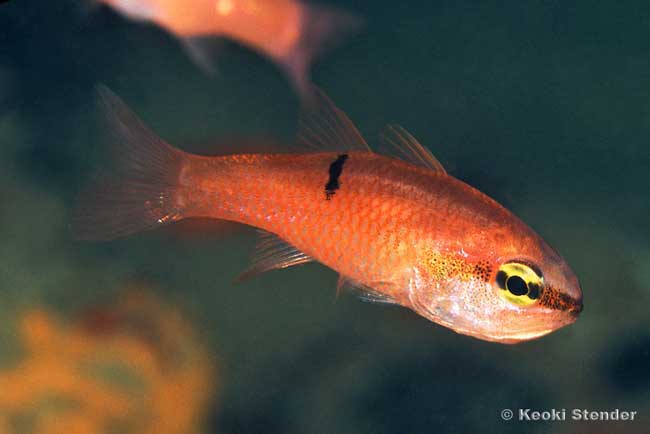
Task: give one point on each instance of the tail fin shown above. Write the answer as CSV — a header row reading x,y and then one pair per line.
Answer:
x,y
323,27
139,192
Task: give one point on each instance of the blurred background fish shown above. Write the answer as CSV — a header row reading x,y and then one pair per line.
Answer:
x,y
291,32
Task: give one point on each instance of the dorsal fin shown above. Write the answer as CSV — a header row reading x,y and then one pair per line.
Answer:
x,y
324,127
364,292
272,253
404,146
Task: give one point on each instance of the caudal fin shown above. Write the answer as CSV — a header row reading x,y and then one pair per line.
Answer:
x,y
323,27
137,193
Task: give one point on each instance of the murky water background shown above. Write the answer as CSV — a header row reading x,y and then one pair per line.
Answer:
x,y
545,106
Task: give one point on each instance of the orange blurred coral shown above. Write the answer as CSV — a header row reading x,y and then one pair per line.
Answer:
x,y
135,367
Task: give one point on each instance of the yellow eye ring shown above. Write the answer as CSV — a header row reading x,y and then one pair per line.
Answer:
x,y
519,284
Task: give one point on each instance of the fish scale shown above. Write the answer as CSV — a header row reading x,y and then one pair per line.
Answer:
x,y
371,203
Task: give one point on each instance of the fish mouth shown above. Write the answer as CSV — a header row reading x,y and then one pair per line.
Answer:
x,y
553,320
573,308
558,310
576,309
523,337
509,338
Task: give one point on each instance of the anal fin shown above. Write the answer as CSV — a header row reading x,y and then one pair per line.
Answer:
x,y
272,253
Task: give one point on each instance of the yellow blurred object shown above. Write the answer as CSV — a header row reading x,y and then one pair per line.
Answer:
x,y
135,367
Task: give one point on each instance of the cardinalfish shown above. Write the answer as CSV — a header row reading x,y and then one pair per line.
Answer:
x,y
396,227
289,32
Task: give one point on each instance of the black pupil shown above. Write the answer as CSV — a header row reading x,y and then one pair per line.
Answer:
x,y
516,285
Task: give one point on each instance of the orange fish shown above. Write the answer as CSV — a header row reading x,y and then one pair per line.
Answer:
x,y
398,229
289,32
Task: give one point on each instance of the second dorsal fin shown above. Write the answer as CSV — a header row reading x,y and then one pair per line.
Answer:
x,y
401,144
324,127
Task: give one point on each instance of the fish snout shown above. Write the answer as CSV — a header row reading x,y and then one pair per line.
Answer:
x,y
574,292
578,305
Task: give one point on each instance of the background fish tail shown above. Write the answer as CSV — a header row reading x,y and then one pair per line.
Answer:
x,y
323,28
138,192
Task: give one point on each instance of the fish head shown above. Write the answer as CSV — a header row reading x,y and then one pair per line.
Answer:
x,y
510,295
141,10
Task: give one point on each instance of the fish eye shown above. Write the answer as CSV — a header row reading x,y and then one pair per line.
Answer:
x,y
519,283
516,285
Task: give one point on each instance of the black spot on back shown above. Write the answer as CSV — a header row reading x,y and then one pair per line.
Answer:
x,y
336,168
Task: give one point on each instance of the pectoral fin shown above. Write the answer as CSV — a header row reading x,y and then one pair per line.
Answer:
x,y
362,291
